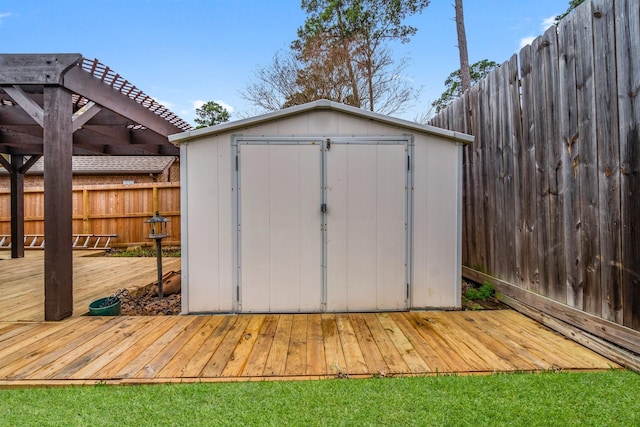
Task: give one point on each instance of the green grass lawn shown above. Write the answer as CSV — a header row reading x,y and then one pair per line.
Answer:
x,y
551,399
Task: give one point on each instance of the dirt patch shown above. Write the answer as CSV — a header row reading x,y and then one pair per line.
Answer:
x,y
145,302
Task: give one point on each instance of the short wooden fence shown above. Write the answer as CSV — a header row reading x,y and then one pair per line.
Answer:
x,y
102,210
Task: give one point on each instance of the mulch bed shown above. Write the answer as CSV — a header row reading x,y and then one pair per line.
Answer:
x,y
145,302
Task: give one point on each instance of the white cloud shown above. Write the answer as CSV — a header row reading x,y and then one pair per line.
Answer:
x,y
226,106
525,41
544,26
167,104
199,103
4,15
547,22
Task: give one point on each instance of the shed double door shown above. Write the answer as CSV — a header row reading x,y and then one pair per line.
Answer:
x,y
322,225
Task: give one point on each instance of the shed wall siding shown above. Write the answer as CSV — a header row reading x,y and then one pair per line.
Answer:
x,y
210,260
435,219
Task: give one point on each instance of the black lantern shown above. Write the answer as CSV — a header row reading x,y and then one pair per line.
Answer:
x,y
158,231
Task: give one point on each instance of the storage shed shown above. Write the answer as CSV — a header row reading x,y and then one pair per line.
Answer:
x,y
320,207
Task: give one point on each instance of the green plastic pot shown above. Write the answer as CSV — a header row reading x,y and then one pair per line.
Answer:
x,y
98,308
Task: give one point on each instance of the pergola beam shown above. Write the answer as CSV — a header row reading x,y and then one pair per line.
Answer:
x,y
6,164
28,69
28,105
84,84
27,165
84,114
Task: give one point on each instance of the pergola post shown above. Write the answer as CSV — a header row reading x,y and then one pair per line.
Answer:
x,y
58,150
17,206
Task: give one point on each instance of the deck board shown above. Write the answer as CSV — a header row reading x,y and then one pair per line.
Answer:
x,y
257,359
240,355
388,350
277,359
335,359
225,350
297,348
353,357
194,366
164,349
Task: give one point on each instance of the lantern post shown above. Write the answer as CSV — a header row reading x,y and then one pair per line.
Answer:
x,y
158,231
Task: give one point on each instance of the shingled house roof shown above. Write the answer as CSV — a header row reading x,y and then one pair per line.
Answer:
x,y
109,165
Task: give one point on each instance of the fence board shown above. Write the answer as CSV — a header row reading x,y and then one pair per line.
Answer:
x,y
469,179
553,259
540,176
494,189
589,273
628,74
486,204
527,164
608,149
515,138
568,113
106,209
506,129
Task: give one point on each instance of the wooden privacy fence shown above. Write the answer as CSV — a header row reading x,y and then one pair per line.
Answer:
x,y
552,183
105,209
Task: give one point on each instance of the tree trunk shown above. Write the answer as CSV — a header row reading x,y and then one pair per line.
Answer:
x,y
465,73
349,64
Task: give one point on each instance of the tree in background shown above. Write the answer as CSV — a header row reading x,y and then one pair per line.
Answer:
x,y
465,72
276,84
572,5
453,83
360,30
341,54
210,114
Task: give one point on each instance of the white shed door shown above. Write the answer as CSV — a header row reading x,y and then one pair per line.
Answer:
x,y
293,257
366,196
279,228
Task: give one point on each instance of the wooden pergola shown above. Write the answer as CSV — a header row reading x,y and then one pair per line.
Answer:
x,y
59,105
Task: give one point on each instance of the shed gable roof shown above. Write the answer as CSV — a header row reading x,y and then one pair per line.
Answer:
x,y
320,105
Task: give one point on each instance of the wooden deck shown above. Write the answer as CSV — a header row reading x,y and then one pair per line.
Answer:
x,y
88,350
22,280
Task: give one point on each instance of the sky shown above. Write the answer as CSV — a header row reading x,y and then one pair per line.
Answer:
x,y
186,52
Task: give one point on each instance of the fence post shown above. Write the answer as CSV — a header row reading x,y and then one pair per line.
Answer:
x,y
85,212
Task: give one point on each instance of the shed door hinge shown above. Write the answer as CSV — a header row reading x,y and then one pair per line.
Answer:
x,y
408,163
323,208
236,162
